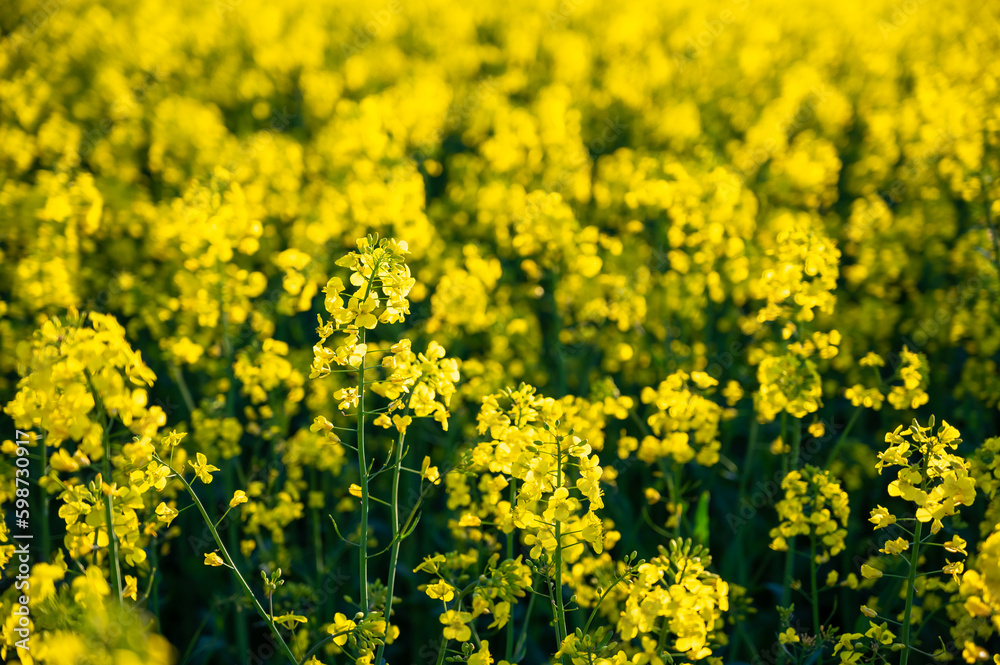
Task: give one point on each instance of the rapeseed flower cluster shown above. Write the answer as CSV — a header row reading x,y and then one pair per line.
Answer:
x,y
936,480
238,238
814,505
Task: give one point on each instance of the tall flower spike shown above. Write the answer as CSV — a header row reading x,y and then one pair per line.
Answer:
x,y
381,282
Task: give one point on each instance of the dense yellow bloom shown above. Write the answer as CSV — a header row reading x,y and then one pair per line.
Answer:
x,y
559,474
981,586
814,505
677,197
938,483
787,383
801,272
72,366
382,281
685,424
674,592
914,375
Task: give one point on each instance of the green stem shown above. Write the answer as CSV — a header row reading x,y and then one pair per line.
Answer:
x,y
319,645
561,615
741,561
394,551
792,465
796,445
316,647
441,651
843,437
229,466
597,606
909,593
42,500
116,573
229,562
527,622
561,618
232,535
993,232
363,469
154,592
786,586
663,635
815,593
675,498
317,532
178,375
509,650
786,579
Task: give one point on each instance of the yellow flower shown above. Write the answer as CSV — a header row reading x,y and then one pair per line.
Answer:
x,y
870,573
203,469
341,629
733,392
872,359
846,647
868,612
956,545
455,627
239,496
481,657
289,621
401,423
165,513
881,518
973,652
355,490
559,506
814,504
880,633
131,587
954,568
441,590
428,472
348,398
896,546
789,636
213,559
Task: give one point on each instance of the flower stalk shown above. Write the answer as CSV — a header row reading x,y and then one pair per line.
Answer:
x,y
229,562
